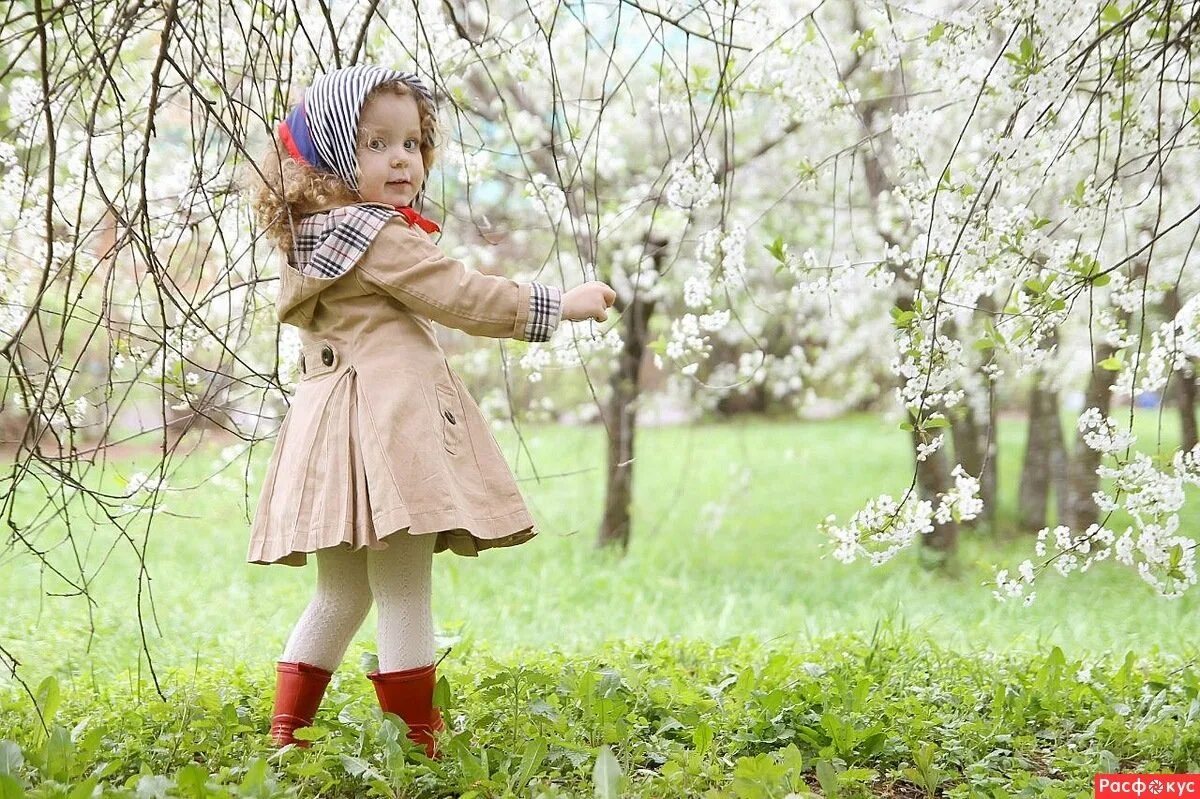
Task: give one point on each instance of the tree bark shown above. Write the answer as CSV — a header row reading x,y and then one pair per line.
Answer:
x,y
933,474
933,478
975,449
1076,507
1045,459
1185,393
621,414
1187,409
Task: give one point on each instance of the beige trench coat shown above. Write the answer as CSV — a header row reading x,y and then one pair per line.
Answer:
x,y
382,437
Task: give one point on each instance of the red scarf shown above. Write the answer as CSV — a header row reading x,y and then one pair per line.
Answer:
x,y
416,219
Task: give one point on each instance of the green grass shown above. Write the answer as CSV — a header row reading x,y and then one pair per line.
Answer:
x,y
726,570
894,715
725,544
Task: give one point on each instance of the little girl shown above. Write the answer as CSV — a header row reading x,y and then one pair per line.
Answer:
x,y
383,458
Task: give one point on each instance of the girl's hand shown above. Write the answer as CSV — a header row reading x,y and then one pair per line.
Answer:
x,y
588,301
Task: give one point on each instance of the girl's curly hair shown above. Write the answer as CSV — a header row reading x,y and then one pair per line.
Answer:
x,y
282,190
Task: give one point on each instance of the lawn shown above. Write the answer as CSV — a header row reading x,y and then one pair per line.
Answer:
x,y
726,572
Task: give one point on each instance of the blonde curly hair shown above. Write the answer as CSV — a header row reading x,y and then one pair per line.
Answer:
x,y
282,189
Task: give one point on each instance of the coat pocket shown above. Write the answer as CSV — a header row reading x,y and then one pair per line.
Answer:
x,y
450,410
318,358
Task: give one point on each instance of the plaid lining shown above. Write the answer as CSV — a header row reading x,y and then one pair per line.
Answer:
x,y
328,245
545,312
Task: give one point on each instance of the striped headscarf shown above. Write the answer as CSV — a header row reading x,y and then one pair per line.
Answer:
x,y
322,129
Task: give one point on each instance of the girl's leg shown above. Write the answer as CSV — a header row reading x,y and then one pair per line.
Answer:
x,y
334,615
400,582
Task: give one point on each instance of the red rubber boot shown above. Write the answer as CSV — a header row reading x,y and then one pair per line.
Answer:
x,y
409,694
299,688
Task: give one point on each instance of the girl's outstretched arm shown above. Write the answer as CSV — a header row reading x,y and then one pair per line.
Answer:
x,y
402,263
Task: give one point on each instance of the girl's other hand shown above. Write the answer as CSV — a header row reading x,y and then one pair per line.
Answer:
x,y
590,300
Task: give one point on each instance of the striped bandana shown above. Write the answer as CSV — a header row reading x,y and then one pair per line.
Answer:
x,y
322,130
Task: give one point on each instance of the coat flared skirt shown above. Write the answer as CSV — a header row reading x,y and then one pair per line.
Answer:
x,y
341,474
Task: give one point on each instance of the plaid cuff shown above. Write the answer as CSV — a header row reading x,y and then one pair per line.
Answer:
x,y
545,312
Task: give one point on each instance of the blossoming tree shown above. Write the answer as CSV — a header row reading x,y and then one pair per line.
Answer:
x,y
821,200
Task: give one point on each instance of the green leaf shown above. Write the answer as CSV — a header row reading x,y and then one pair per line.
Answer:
x,y
256,776
531,760
1111,14
58,754
984,344
358,768
441,692
907,427
793,760
10,788
931,424
778,250
606,775
935,33
472,767
862,775
865,41
702,736
1027,49
1077,196
48,699
85,789
191,779
1111,364
944,182
827,776
873,744
309,733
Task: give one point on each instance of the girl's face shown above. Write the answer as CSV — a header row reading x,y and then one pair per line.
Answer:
x,y
389,150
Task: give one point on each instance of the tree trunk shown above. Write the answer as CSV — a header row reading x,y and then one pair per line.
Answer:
x,y
621,415
975,449
933,474
1077,509
933,478
1045,459
1187,408
1186,390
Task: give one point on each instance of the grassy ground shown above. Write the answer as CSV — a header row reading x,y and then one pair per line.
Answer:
x,y
726,571
894,716
725,544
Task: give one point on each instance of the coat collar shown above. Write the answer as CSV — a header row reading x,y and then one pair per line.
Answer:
x,y
410,215
298,292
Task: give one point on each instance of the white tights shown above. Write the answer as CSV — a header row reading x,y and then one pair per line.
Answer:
x,y
397,578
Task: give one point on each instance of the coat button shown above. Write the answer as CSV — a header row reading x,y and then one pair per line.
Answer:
x,y
449,417
327,356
